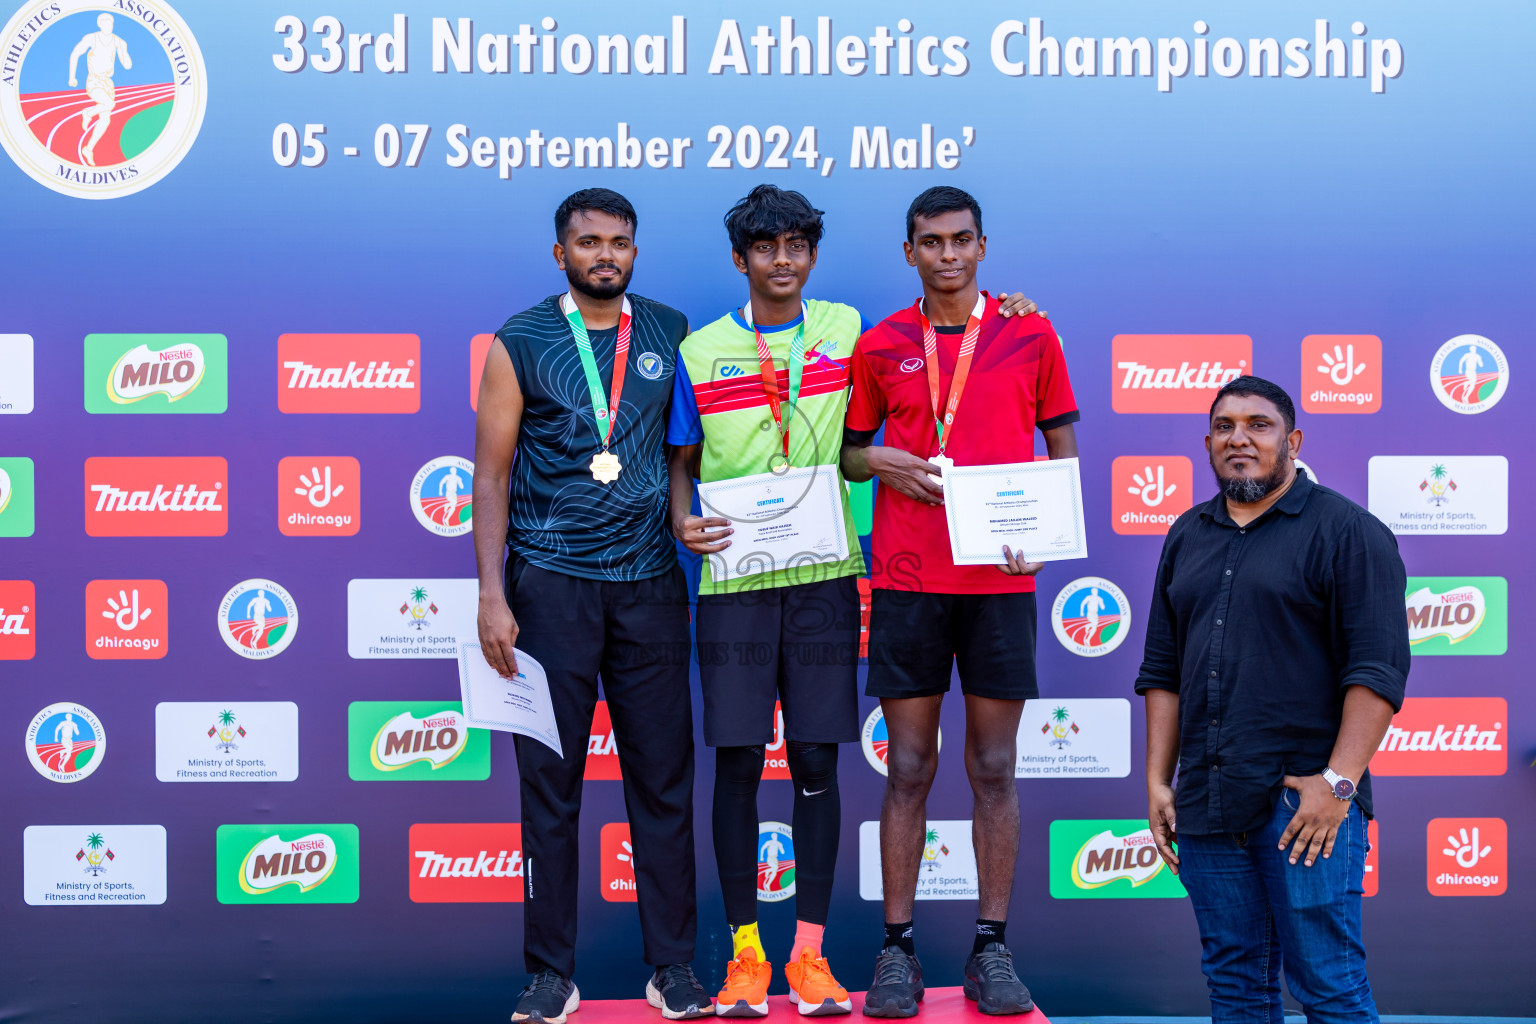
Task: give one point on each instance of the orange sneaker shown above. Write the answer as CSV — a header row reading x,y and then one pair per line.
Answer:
x,y
812,986
746,987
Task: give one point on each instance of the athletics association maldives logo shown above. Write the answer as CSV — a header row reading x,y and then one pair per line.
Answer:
x,y
65,742
1469,374
99,98
1091,616
441,496
875,740
775,862
257,619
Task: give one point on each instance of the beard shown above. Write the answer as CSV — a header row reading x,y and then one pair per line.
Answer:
x,y
1246,490
596,289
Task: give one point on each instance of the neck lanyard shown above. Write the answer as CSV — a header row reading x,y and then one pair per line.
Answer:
x,y
605,409
962,366
783,411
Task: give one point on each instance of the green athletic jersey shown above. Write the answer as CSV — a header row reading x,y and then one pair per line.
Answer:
x,y
718,400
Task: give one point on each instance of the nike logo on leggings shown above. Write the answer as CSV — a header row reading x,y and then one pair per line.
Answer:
x,y
806,792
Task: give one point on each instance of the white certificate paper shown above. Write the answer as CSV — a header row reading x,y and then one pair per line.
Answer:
x,y
518,705
781,520
1036,508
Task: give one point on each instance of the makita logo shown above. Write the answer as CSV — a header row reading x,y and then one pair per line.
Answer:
x,y
156,497
1176,372
18,599
341,373
374,375
482,865
466,863
1445,736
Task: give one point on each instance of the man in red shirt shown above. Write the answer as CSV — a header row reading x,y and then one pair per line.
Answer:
x,y
949,379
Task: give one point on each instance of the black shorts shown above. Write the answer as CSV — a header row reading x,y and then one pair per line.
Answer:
x,y
798,645
915,639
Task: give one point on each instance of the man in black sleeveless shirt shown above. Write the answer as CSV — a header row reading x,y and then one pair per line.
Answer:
x,y
577,389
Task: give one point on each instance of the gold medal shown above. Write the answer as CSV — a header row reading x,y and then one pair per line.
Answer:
x,y
605,467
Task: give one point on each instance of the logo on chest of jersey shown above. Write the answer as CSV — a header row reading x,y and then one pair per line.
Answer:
x,y
648,365
911,365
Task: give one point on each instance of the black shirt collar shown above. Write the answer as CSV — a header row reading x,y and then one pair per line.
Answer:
x,y
1291,502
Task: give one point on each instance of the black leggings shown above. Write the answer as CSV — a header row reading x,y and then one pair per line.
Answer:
x,y
817,821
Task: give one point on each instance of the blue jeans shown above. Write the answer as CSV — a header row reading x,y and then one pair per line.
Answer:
x,y
1253,905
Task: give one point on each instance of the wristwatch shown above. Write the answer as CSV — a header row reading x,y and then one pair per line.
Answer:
x,y
1343,789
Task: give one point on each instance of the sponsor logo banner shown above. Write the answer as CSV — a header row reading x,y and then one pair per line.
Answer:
x,y
1175,372
947,870
75,129
776,754
18,603
319,496
411,618
15,375
159,496
775,862
1340,373
126,619
346,373
156,373
1081,738
1108,859
1372,881
402,742
17,505
618,857
442,496
466,863
1467,857
479,349
1458,614
258,619
227,741
1469,374
1091,616
287,864
875,739
602,748
1148,492
65,742
1445,736
93,865
1440,494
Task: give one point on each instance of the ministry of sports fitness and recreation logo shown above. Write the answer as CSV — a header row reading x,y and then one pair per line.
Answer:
x,y
1091,616
875,739
99,98
258,619
441,496
1469,374
775,862
65,742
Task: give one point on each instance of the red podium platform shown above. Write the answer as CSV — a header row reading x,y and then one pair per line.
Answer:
x,y
940,1006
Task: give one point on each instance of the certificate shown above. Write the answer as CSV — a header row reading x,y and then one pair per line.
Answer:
x,y
781,520
1035,508
519,705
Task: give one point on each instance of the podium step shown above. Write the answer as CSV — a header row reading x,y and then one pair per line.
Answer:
x,y
940,1006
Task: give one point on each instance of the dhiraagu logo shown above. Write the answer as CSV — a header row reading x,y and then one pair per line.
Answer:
x,y
156,373
287,864
398,742
1108,859
1458,614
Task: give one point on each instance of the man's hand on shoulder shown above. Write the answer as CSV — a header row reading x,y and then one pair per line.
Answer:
x,y
1018,304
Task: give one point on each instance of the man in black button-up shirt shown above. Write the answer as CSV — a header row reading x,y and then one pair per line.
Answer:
x,y
1277,653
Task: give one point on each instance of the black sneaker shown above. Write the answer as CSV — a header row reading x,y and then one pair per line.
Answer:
x,y
898,985
547,999
993,983
677,993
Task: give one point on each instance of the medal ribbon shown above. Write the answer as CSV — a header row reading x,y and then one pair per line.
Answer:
x,y
783,409
962,366
605,410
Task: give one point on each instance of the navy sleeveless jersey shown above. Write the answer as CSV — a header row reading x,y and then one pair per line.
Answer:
x,y
560,518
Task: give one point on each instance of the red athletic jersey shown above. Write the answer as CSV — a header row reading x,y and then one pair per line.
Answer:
x,y
1018,382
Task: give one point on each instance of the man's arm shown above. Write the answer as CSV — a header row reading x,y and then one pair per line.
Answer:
x,y
913,476
1162,759
499,416
682,463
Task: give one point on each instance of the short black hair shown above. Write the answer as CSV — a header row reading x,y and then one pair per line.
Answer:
x,y
588,200
942,199
1261,388
767,212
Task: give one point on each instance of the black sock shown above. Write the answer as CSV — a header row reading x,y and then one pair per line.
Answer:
x,y
988,931
900,936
